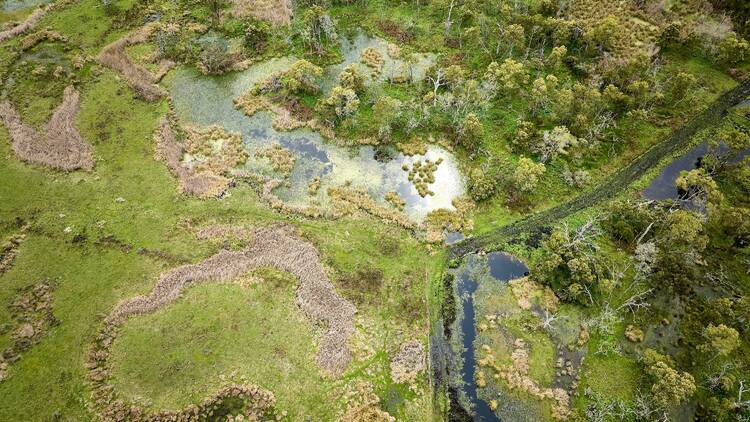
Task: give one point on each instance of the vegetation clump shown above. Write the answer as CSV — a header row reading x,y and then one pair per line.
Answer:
x,y
346,200
395,200
408,362
277,12
373,59
212,152
423,174
9,250
282,160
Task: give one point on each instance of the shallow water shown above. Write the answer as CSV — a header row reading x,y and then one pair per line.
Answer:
x,y
206,100
502,267
453,237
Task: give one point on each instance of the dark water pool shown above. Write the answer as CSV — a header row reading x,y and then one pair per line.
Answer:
x,y
664,185
503,267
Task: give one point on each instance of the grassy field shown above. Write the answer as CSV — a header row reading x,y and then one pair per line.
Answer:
x,y
96,262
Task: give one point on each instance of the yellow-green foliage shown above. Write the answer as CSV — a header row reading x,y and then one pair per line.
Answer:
x,y
422,174
395,200
619,26
313,186
527,174
415,147
251,104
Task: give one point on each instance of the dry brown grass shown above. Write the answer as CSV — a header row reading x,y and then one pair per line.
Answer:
x,y
60,146
347,200
44,35
205,184
24,26
364,405
408,362
282,160
278,247
277,12
137,77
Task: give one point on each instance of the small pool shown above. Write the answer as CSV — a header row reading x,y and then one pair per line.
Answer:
x,y
664,186
502,267
206,100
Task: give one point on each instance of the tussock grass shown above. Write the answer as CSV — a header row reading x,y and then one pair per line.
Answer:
x,y
277,12
139,78
60,146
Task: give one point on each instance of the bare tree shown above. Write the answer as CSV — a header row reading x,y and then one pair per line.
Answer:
x,y
437,81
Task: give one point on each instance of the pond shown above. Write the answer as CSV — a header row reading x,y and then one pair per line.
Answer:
x,y
502,267
207,100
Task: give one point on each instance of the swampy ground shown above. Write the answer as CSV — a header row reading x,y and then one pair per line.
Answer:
x,y
378,132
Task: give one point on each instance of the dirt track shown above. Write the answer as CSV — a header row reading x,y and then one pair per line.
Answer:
x,y
615,184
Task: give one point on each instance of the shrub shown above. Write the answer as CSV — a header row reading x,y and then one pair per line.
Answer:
x,y
527,173
481,185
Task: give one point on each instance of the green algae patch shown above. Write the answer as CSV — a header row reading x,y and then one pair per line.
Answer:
x,y
217,334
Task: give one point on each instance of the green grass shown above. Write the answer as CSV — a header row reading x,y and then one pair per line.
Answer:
x,y
92,279
179,354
